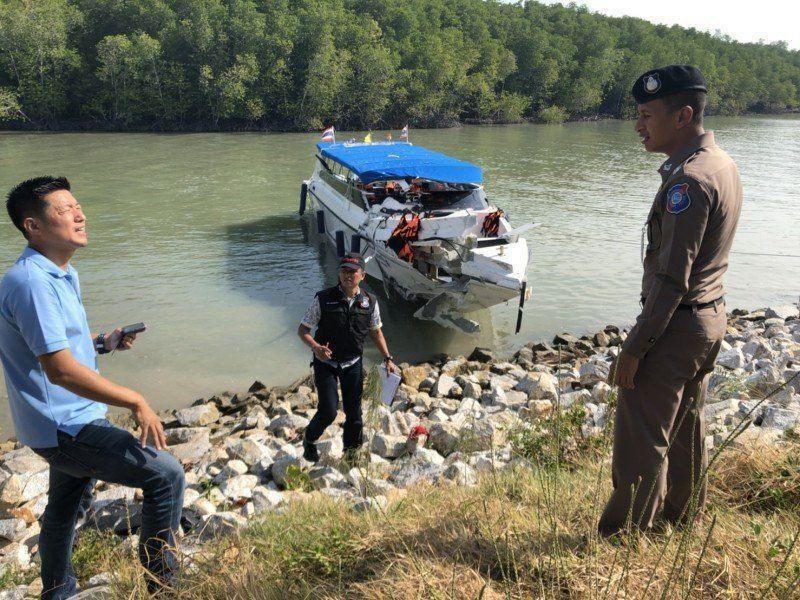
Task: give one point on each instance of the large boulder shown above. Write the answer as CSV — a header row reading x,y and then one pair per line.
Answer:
x,y
388,446
443,386
221,524
594,371
539,386
732,359
183,435
780,418
787,311
239,486
414,375
290,421
197,416
249,451
444,438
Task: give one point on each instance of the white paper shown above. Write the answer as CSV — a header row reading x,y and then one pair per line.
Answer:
x,y
389,384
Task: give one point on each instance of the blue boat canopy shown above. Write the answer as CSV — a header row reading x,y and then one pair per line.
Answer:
x,y
398,160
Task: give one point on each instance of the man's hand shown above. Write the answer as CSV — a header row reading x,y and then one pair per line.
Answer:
x,y
322,352
623,370
150,425
390,366
116,341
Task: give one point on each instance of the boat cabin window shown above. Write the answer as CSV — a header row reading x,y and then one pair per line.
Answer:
x,y
454,197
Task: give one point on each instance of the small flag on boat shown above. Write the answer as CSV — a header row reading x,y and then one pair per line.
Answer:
x,y
404,133
328,135
368,138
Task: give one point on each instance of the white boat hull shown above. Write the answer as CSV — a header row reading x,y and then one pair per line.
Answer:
x,y
492,274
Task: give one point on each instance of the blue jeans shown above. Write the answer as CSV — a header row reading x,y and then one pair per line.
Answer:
x,y
108,453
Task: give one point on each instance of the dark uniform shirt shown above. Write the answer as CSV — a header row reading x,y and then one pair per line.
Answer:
x,y
690,230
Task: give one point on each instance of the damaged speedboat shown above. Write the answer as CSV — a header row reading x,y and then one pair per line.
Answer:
x,y
422,221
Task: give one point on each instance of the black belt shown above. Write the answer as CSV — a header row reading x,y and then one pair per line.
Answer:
x,y
682,306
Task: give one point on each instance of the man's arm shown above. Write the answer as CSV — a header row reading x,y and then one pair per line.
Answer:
x,y
63,370
320,351
380,343
684,225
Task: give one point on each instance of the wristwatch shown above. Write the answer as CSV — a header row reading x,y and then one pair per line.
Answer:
x,y
100,344
388,358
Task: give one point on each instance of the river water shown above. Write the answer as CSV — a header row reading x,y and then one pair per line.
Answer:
x,y
198,236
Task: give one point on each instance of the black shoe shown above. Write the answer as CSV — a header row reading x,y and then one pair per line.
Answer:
x,y
310,451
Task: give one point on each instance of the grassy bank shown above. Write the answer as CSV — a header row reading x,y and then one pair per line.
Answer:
x,y
520,533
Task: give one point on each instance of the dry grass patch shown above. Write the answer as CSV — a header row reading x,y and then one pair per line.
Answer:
x,y
519,534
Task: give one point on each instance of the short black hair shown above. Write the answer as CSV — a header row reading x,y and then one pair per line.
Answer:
x,y
26,199
694,98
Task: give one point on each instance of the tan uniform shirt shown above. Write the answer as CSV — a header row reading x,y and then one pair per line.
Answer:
x,y
689,233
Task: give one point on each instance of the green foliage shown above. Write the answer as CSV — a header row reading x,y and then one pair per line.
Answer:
x,y
9,106
297,479
553,114
92,549
555,441
357,64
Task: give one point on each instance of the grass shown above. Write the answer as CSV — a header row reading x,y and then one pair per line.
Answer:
x,y
523,533
526,532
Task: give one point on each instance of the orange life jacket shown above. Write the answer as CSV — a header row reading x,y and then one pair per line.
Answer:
x,y
491,224
407,231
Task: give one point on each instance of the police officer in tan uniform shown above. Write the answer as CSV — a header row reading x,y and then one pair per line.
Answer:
x,y
663,367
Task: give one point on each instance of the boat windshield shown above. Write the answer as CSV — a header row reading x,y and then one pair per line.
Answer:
x,y
453,198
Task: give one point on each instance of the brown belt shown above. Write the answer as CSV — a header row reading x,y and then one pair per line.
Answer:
x,y
719,300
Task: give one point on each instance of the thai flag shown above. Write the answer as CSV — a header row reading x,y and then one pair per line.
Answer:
x,y
328,135
404,133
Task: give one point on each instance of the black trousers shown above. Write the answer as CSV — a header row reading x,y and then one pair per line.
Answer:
x,y
352,381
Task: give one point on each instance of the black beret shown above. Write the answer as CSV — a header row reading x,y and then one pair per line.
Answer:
x,y
667,80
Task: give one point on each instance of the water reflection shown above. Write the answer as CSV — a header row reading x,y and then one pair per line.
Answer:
x,y
281,260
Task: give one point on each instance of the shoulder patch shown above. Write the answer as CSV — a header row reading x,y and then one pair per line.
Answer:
x,y
678,199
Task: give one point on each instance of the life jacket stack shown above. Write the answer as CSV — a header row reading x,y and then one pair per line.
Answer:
x,y
407,231
491,224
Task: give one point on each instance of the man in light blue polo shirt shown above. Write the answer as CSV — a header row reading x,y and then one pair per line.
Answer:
x,y
58,397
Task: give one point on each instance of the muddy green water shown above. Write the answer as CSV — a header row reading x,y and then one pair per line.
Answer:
x,y
198,236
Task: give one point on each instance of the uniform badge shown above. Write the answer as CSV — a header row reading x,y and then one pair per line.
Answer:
x,y
678,198
652,83
365,302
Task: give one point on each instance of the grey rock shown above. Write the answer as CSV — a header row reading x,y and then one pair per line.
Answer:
x,y
443,386
444,438
249,451
594,371
23,461
12,529
15,593
265,499
732,359
780,418
190,452
539,386
388,446
461,473
182,435
221,524
281,466
290,421
787,311
240,486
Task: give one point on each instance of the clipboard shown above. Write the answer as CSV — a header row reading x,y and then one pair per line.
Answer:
x,y
389,384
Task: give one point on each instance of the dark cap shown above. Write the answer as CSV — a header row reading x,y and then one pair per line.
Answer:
x,y
667,80
352,261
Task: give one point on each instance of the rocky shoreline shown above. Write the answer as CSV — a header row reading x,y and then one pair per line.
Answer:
x,y
451,420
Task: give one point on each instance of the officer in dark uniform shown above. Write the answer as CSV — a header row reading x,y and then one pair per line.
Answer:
x,y
343,316
662,370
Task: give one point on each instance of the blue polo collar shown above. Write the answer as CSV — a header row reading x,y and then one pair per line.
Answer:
x,y
45,263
